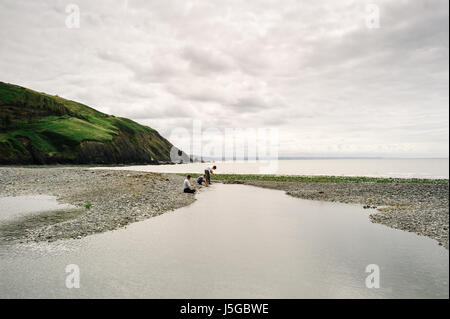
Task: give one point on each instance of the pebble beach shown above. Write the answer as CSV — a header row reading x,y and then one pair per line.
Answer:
x,y
114,199
111,199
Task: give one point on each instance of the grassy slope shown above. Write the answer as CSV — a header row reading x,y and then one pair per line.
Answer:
x,y
55,125
319,179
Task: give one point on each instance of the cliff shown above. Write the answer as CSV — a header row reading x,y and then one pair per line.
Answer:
x,y
38,128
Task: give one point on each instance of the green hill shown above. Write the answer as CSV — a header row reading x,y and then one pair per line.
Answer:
x,y
37,128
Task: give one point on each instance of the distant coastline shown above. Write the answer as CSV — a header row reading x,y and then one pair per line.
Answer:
x,y
385,168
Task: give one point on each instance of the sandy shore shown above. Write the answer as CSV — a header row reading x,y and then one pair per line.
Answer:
x,y
118,198
415,207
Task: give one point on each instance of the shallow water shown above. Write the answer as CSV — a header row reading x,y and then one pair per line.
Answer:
x,y
402,168
19,206
235,241
20,214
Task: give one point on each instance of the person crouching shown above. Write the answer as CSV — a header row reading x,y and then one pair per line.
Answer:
x,y
202,180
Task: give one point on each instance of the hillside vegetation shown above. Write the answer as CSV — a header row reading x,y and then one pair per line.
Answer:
x,y
38,128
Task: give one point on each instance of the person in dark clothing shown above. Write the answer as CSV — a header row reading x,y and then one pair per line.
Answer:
x,y
202,179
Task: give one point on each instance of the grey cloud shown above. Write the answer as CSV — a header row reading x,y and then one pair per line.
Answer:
x,y
255,103
206,60
310,68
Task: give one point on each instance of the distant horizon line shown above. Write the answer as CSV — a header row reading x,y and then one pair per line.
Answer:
x,y
199,158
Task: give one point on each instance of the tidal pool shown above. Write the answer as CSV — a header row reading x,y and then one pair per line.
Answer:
x,y
19,214
235,241
13,207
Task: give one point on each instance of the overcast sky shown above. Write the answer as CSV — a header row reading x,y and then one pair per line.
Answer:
x,y
314,70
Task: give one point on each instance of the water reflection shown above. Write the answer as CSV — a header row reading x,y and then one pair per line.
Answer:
x,y
236,241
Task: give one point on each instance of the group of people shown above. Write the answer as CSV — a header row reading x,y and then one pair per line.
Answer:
x,y
203,179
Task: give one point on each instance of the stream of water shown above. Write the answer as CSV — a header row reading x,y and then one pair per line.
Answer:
x,y
235,241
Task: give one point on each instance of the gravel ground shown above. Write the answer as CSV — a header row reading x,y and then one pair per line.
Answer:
x,y
419,208
118,198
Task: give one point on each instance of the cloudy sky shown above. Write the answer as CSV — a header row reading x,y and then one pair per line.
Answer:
x,y
319,71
